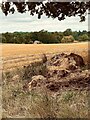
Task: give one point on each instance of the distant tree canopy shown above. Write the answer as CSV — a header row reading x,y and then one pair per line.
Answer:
x,y
45,37
58,10
67,39
67,32
83,37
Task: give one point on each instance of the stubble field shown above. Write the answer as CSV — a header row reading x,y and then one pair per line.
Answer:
x,y
41,102
15,55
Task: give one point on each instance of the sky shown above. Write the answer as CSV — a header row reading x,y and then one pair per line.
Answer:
x,y
26,23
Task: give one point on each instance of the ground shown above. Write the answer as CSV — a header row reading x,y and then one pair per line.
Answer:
x,y
43,101
15,55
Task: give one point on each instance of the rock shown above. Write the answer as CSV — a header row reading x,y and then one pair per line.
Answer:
x,y
68,62
33,83
72,67
79,60
39,78
37,42
37,81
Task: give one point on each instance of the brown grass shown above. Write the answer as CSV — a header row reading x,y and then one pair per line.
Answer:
x,y
9,50
39,103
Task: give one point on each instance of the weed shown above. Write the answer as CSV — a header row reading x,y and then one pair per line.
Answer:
x,y
68,96
34,69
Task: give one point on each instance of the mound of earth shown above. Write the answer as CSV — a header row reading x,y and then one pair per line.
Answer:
x,y
67,72
75,80
69,62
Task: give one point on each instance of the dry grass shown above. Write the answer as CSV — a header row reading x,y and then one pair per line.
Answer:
x,y
39,103
9,50
15,55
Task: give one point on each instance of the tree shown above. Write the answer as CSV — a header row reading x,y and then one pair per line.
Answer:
x,y
53,9
67,39
67,32
7,36
2,38
75,35
43,37
89,35
46,37
83,37
34,36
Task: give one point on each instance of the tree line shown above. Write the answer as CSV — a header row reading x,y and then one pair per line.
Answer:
x,y
45,37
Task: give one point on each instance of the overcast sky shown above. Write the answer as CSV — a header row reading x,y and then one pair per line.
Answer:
x,y
26,23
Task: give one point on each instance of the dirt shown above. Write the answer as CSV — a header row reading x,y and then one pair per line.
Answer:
x,y
44,89
71,72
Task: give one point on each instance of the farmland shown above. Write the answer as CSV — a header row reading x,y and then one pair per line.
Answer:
x,y
15,55
60,93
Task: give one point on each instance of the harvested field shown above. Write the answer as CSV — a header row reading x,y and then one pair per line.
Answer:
x,y
9,50
52,88
15,55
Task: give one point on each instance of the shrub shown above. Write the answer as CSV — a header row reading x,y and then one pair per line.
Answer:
x,y
83,37
67,39
36,68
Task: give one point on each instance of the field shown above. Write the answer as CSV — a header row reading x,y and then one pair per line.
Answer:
x,y
42,102
16,55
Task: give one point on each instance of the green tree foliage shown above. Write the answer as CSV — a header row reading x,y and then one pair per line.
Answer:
x,y
83,37
0,38
58,35
88,35
67,39
44,37
67,32
34,36
75,35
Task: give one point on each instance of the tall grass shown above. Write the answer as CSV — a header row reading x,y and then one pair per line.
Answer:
x,y
39,102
